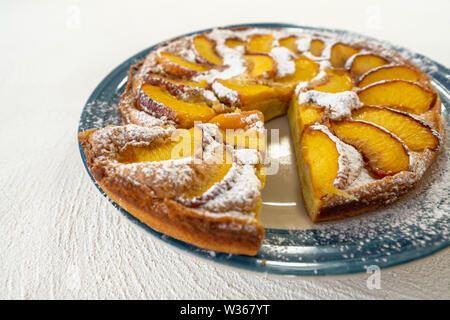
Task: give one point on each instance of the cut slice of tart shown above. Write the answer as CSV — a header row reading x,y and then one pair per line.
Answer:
x,y
196,196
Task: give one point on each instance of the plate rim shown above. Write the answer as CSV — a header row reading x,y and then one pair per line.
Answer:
x,y
253,263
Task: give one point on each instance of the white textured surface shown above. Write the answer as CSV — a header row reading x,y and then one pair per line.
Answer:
x,y
59,238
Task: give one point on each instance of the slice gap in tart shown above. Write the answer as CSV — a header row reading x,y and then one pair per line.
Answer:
x,y
398,94
385,154
178,66
416,134
154,99
206,49
389,73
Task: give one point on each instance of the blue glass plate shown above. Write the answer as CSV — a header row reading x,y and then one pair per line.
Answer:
x,y
412,228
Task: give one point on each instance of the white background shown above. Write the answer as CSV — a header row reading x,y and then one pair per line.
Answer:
x,y
59,238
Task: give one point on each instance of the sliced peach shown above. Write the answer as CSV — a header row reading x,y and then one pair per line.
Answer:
x,y
260,65
233,43
260,43
251,94
385,154
206,49
338,81
398,94
237,120
305,70
215,174
307,115
157,100
340,53
272,101
317,47
321,156
366,62
174,85
178,66
182,144
239,129
289,43
390,73
417,135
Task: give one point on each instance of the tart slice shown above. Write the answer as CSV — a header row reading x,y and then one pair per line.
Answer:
x,y
181,182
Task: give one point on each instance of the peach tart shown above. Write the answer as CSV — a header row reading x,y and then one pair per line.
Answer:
x,y
189,158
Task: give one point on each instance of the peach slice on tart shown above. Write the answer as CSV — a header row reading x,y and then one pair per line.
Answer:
x,y
202,192
272,101
242,129
157,100
389,73
174,85
238,120
385,154
340,53
338,81
289,43
362,63
260,65
305,69
178,66
316,47
303,115
320,157
398,94
234,42
416,134
260,43
183,143
205,47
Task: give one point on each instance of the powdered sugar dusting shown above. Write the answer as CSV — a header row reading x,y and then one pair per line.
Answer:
x,y
284,60
340,105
